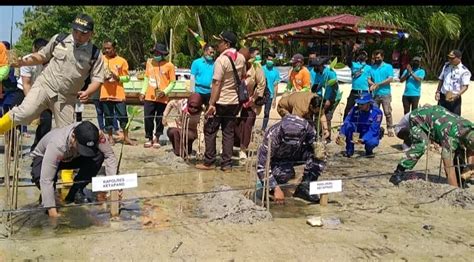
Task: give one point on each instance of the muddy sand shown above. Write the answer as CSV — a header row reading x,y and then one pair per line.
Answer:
x,y
166,217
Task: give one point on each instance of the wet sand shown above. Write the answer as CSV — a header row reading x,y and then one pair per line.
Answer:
x,y
379,221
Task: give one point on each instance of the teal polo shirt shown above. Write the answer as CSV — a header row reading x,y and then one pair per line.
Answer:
x,y
312,75
321,79
380,74
360,83
413,87
202,71
272,76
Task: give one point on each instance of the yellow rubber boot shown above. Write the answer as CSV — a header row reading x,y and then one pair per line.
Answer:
x,y
6,123
66,177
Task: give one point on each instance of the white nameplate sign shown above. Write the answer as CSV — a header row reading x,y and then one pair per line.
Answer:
x,y
105,183
324,187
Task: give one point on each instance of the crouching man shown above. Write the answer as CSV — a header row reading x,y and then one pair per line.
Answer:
x,y
76,146
292,143
364,119
450,131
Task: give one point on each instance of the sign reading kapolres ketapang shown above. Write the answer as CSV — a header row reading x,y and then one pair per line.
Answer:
x,y
104,183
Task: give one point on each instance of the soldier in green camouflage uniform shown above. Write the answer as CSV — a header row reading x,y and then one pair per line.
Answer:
x,y
448,130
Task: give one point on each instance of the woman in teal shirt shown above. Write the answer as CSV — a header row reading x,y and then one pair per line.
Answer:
x,y
413,76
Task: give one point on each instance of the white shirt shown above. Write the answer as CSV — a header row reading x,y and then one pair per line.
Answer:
x,y
29,71
454,78
404,123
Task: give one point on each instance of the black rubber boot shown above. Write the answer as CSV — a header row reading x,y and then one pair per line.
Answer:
x,y
302,191
397,177
76,195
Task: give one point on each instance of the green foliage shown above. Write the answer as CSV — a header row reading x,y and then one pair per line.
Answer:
x,y
182,61
433,29
45,22
133,112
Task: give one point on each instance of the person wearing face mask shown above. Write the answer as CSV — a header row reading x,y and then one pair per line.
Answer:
x,y
364,119
299,75
360,83
191,108
272,77
72,61
381,75
453,83
326,86
224,103
413,75
202,70
160,78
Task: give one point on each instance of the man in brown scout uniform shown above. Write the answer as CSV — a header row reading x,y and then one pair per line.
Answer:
x,y
72,59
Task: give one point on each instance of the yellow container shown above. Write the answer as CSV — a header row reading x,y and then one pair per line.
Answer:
x,y
67,175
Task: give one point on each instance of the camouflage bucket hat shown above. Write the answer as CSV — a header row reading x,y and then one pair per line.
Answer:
x,y
468,140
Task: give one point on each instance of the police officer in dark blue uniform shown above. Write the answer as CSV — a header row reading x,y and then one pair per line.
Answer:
x,y
365,119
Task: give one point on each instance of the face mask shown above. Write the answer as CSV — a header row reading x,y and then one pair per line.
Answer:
x,y
208,58
158,58
362,58
297,68
258,58
416,65
269,63
378,62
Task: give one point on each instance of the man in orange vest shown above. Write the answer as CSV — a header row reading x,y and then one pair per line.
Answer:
x,y
160,78
112,93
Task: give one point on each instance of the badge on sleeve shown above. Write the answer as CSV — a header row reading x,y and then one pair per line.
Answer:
x,y
379,118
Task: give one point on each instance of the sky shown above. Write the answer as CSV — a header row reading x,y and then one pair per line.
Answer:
x,y
5,21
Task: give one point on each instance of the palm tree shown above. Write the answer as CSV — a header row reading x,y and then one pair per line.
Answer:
x,y
438,31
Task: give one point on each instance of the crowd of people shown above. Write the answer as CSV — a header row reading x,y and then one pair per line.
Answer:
x,y
230,89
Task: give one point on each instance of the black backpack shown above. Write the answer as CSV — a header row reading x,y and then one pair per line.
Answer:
x,y
95,55
260,101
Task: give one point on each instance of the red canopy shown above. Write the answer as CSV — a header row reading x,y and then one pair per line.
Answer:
x,y
344,25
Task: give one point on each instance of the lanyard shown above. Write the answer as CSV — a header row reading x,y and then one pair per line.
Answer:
x,y
157,79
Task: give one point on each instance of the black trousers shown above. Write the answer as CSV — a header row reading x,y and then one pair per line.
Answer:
x,y
112,109
205,99
225,118
410,103
88,168
46,122
454,106
355,94
153,114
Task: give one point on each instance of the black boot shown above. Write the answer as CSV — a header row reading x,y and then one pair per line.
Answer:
x,y
76,195
302,191
397,177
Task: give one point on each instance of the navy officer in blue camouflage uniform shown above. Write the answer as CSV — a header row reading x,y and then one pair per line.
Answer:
x,y
365,119
292,143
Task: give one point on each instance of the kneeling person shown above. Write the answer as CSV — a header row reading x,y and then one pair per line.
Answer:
x,y
365,119
76,146
292,142
436,124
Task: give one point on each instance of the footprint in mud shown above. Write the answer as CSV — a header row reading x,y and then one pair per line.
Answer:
x,y
371,253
